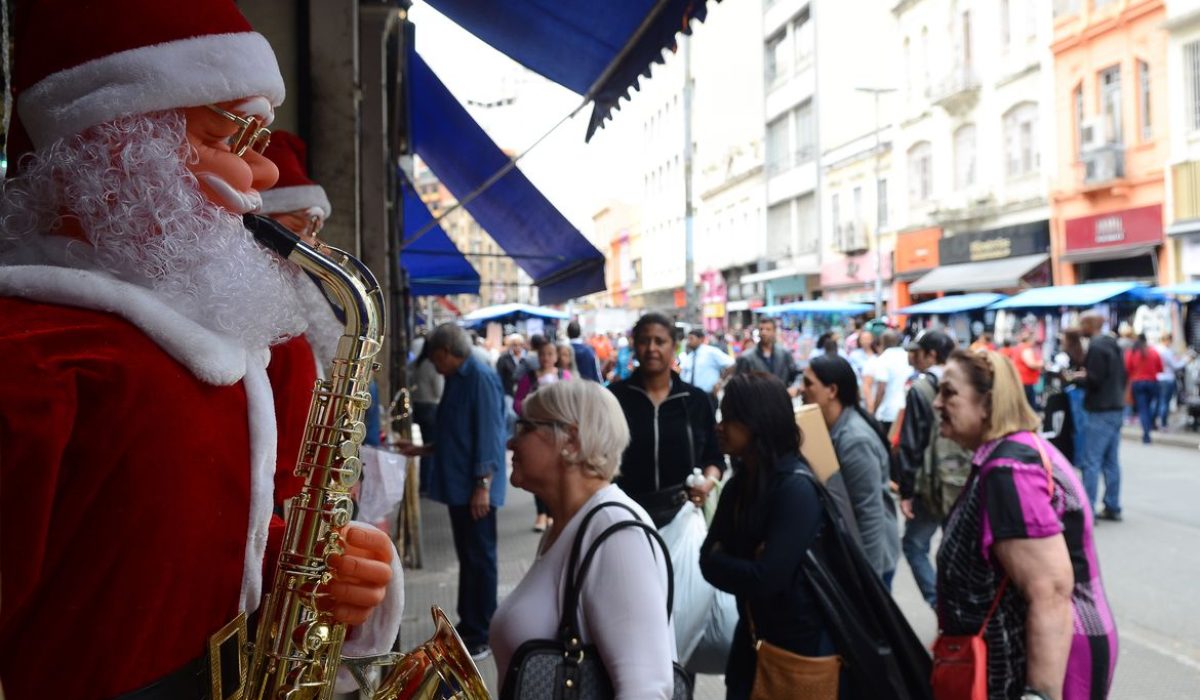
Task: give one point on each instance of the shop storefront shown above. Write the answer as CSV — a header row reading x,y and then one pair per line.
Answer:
x,y
713,297
1005,259
916,254
852,277
1119,245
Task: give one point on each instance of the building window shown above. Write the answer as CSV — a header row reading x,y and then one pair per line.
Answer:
x,y
1191,72
857,199
1144,99
1110,103
778,61
964,156
920,172
778,147
881,205
1020,140
806,133
779,229
965,39
908,67
1077,102
835,218
802,30
924,67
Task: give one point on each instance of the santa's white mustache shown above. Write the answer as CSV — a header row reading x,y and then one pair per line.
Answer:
x,y
234,200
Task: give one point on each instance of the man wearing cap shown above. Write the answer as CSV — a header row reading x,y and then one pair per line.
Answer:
x,y
932,469
137,431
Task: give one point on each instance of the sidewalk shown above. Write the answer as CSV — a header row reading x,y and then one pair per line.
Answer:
x,y
1175,437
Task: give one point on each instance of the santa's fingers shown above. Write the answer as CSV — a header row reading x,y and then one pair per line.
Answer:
x,y
368,541
361,569
344,593
350,614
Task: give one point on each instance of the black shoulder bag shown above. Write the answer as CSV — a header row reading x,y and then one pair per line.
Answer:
x,y
565,668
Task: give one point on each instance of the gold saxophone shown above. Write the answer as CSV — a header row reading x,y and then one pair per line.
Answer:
x,y
297,650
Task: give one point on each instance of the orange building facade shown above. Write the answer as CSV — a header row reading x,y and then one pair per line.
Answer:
x,y
1110,62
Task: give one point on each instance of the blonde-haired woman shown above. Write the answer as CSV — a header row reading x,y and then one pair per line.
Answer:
x,y
566,450
566,358
1019,541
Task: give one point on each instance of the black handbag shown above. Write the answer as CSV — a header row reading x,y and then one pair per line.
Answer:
x,y
565,668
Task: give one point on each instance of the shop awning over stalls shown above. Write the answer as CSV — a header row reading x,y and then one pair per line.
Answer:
x,y
435,266
988,275
952,304
511,313
1184,289
540,240
816,307
596,49
1078,296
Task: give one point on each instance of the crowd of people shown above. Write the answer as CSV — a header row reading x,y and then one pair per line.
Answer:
x,y
927,436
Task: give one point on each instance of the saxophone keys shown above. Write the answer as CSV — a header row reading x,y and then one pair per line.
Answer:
x,y
358,431
349,472
312,636
348,449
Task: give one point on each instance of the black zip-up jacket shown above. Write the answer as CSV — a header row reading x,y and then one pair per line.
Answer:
x,y
1104,386
666,441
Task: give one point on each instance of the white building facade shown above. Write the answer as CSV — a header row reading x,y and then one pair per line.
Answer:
x,y
1182,210
975,140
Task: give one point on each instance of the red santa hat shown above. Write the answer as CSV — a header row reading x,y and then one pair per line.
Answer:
x,y
82,64
294,191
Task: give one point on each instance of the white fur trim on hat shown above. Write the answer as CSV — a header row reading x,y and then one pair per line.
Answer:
x,y
281,200
186,73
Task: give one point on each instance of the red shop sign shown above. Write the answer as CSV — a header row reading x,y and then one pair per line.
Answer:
x,y
1117,229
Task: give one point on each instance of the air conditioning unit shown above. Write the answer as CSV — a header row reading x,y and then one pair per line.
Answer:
x,y
1103,165
1092,134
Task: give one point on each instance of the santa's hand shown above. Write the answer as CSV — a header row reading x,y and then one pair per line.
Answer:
x,y
360,575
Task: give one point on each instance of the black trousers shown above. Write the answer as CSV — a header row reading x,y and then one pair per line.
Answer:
x,y
475,544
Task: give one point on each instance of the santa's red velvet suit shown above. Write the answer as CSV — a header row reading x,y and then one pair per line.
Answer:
x,y
137,450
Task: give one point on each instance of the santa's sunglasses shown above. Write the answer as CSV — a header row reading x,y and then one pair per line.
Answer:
x,y
250,136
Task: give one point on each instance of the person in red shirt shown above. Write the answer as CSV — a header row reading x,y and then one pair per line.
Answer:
x,y
1143,365
1028,360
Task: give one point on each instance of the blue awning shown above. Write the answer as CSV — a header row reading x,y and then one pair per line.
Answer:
x,y
815,308
562,263
952,304
1185,289
1071,295
511,313
597,49
434,265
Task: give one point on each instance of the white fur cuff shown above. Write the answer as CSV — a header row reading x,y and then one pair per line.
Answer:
x,y
282,200
186,73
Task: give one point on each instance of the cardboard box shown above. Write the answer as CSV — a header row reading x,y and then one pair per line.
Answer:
x,y
816,445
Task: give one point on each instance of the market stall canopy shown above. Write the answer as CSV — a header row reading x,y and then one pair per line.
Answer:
x,y
597,49
1183,289
539,239
435,266
511,313
815,308
1076,295
952,304
982,276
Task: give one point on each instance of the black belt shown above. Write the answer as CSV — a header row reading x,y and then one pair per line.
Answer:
x,y
662,506
218,674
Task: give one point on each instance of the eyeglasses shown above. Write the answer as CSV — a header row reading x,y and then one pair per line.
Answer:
x,y
526,425
250,136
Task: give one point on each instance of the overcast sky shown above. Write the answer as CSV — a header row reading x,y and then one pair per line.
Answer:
x,y
577,177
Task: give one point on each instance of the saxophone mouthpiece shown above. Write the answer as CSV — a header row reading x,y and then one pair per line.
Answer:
x,y
271,234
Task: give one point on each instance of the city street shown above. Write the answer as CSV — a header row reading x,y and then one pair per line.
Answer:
x,y
1149,562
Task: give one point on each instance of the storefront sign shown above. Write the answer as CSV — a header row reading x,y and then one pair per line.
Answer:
x,y
994,244
917,251
1128,227
855,270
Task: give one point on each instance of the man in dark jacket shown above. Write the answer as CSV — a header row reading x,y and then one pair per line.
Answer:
x,y
585,357
1103,382
769,357
671,427
932,469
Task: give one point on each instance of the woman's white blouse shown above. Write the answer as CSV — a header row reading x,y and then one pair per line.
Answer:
x,y
622,605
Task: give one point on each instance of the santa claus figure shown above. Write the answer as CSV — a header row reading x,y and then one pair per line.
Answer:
x,y
137,429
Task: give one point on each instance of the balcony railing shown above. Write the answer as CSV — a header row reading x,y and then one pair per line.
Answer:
x,y
802,155
957,88
1185,184
1103,164
850,238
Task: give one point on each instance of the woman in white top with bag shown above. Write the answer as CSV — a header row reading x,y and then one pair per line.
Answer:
x,y
566,450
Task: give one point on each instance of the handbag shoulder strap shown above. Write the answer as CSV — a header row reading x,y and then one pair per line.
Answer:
x,y
569,620
1041,448
573,561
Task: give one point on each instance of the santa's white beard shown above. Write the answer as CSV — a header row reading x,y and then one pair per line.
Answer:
x,y
142,211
